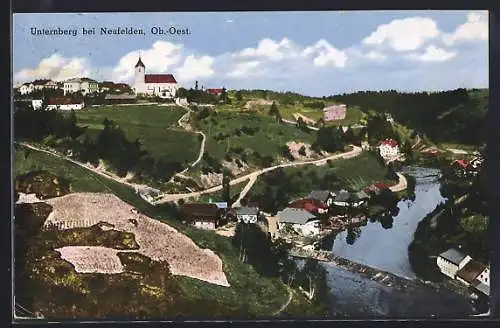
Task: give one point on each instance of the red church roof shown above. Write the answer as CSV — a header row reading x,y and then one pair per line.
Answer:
x,y
159,78
390,142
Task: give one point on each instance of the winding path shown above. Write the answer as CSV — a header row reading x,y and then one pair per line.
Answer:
x,y
284,306
401,185
295,123
245,190
187,127
174,197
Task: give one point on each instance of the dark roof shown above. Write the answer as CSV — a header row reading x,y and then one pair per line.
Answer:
x,y
63,101
40,82
321,195
159,78
200,210
479,286
295,215
343,196
247,210
360,195
453,256
471,271
139,63
389,142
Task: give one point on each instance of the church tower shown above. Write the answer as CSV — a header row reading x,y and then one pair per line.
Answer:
x,y
140,72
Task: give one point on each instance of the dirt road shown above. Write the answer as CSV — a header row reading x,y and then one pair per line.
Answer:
x,y
174,197
401,185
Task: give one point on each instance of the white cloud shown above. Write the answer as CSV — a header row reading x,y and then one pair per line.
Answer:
x,y
158,59
475,29
404,34
245,69
374,55
433,54
194,68
324,53
55,67
229,21
271,49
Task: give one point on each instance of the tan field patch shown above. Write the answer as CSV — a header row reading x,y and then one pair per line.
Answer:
x,y
92,259
156,240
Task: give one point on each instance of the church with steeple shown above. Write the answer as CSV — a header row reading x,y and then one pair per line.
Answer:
x,y
162,85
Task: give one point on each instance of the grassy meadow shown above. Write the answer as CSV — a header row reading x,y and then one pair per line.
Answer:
x,y
155,126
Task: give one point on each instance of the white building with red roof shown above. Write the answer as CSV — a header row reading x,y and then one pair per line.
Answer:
x,y
389,148
162,85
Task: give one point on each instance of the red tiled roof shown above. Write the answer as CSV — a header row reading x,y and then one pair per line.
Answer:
x,y
381,185
461,162
311,205
159,78
63,101
192,211
214,91
389,142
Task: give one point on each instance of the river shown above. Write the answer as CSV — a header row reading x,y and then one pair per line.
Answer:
x,y
387,249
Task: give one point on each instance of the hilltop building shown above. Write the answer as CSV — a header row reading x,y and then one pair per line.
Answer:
x,y
84,85
161,85
388,149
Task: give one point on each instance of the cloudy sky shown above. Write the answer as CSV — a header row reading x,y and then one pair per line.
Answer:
x,y
314,53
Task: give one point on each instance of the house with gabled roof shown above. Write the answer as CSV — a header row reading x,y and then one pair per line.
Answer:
x,y
451,261
247,214
388,148
203,216
313,206
299,220
324,196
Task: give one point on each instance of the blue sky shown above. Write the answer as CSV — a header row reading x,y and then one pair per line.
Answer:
x,y
314,53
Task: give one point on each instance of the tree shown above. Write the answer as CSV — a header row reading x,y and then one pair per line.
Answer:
x,y
273,111
302,151
238,95
196,85
226,191
407,150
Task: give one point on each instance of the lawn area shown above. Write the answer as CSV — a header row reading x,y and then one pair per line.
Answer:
x,y
223,132
249,293
155,126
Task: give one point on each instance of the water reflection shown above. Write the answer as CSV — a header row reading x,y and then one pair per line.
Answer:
x,y
383,242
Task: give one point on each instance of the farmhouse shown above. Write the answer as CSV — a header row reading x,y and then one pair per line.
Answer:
x,y
215,92
247,214
299,220
26,88
161,85
324,196
36,104
83,85
334,112
203,216
470,272
451,261
313,206
342,198
388,148
65,104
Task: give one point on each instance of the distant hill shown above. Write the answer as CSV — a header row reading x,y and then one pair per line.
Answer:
x,y
449,116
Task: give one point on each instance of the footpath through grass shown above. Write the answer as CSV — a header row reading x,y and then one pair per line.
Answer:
x,y
249,293
155,126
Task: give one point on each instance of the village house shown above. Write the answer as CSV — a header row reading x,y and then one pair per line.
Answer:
x,y
202,216
313,206
65,104
342,198
26,88
389,148
214,91
83,85
324,196
359,198
161,85
299,220
44,84
451,261
472,270
247,214
365,145
108,86
373,190
36,104
334,112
